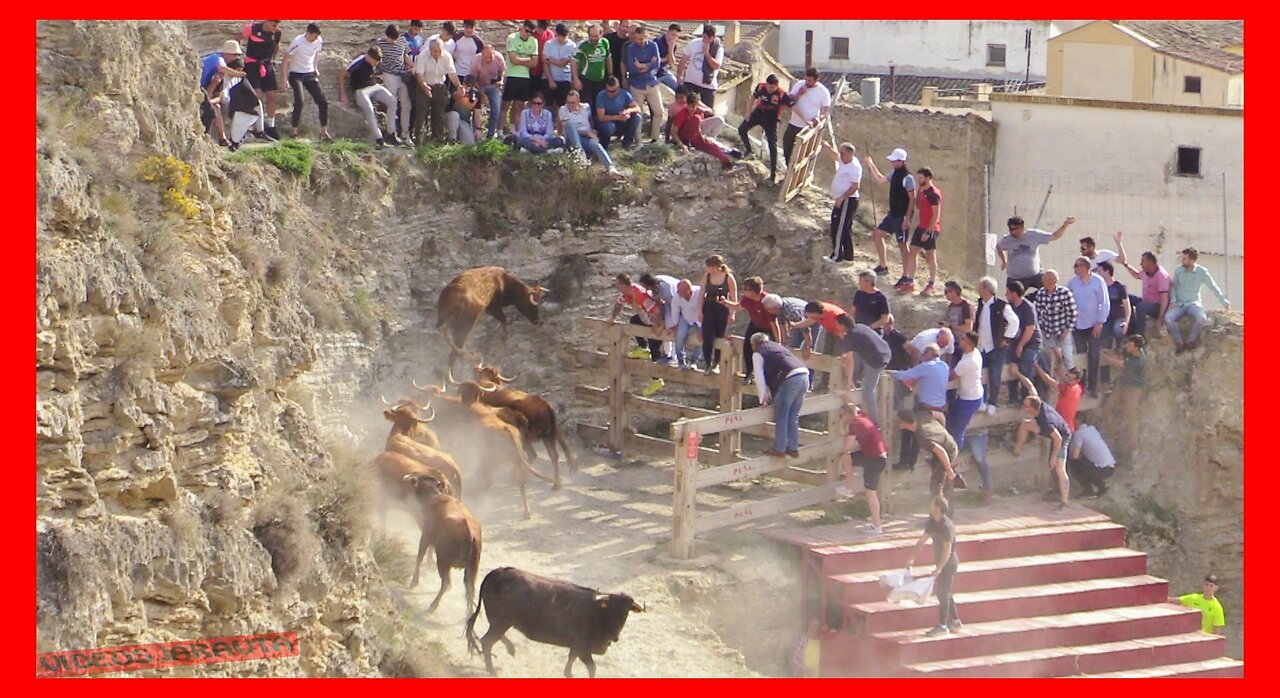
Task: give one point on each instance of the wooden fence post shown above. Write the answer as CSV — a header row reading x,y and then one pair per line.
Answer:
x,y
888,417
730,401
685,491
840,384
617,387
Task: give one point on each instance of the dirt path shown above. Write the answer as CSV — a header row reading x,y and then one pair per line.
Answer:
x,y
604,529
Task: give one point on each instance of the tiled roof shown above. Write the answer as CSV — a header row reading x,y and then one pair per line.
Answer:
x,y
1198,41
906,89
752,30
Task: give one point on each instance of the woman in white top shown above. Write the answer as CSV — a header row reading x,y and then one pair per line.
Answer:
x,y
968,373
302,68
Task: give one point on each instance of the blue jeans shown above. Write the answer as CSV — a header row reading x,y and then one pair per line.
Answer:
x,y
870,381
1093,347
589,145
630,131
993,361
1145,310
683,327
1027,366
977,443
668,79
493,93
786,412
552,143
958,418
1195,311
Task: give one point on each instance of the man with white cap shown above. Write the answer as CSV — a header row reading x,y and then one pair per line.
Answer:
x,y
902,205
213,74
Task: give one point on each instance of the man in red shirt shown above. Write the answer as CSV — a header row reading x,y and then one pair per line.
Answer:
x,y
686,129
762,319
872,456
1070,390
929,204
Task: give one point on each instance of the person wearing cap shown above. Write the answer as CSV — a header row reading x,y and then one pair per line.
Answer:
x,y
845,184
781,379
1089,249
246,109
1188,279
765,110
902,204
700,66
215,68
559,67
367,90
872,353
396,78
762,319
1019,251
641,59
302,71
1212,619
437,78
667,43
262,41
812,102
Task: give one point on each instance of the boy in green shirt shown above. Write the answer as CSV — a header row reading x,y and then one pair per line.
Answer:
x,y
1212,619
594,65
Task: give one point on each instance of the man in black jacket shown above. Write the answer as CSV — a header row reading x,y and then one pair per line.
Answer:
x,y
781,380
997,326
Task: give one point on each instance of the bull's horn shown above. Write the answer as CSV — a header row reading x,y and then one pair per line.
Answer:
x,y
505,379
449,374
430,419
489,389
602,597
636,608
385,401
419,387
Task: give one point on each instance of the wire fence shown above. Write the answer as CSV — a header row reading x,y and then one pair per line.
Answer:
x,y
1162,217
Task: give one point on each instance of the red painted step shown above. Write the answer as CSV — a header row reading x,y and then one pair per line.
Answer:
x,y
1219,668
864,587
1016,602
1126,655
891,554
904,647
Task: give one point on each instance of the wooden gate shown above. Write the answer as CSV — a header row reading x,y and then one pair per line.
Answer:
x,y
804,159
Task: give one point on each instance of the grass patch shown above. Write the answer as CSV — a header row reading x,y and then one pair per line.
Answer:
x,y
290,155
395,561
446,156
349,154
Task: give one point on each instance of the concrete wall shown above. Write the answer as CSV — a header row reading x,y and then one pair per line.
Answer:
x,y
956,148
1113,166
921,47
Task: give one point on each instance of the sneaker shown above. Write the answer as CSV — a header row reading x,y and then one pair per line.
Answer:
x,y
406,142
715,370
901,280
773,452
264,136
928,290
955,625
937,630
391,139
638,353
843,492
793,454
991,410
906,288
272,133
654,386
379,144
881,271
233,146
872,530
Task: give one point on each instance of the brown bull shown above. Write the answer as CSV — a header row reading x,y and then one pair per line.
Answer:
x,y
404,419
480,427
418,431
537,412
482,290
450,530
389,471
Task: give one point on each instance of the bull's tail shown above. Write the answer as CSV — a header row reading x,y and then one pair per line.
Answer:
x,y
473,640
568,454
529,466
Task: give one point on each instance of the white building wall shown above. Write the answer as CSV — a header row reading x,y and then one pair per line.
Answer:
x,y
952,48
1114,169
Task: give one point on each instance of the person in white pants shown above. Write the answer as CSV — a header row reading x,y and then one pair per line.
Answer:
x,y
459,121
368,91
246,112
396,75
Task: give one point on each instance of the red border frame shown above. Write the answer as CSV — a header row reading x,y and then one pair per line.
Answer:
x,y
20,190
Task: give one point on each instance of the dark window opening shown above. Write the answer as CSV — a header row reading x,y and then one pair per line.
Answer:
x,y
1188,162
839,48
995,54
1191,84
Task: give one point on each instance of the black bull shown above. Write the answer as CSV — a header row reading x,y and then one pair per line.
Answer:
x,y
548,611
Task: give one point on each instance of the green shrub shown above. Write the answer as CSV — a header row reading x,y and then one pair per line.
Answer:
x,y
290,155
443,156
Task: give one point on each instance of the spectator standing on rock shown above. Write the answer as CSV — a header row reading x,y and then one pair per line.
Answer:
x,y
765,110
215,69
617,38
872,457
1026,350
1056,312
873,355
575,127
959,314
437,78
642,58
522,54
781,380
844,188
1117,324
812,102
902,205
536,131
1093,307
1129,390
1188,279
466,49
1157,284
593,64
1045,421
699,67
940,528
537,75
489,72
559,68
718,285
761,318
1213,621
396,78
617,112
997,326
302,71
1019,251
687,304
668,43
968,375
925,237
262,41
415,42
367,91
870,305
1090,462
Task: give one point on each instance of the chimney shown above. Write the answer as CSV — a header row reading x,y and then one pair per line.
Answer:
x,y
984,91
808,49
928,96
732,34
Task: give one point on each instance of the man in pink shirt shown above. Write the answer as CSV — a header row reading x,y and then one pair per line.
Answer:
x,y
1156,283
648,312
871,456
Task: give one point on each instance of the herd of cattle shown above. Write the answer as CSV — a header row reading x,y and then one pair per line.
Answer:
x,y
487,427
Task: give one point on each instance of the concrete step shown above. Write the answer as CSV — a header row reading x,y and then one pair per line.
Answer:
x,y
1218,668
1051,568
1018,602
891,554
904,647
1127,655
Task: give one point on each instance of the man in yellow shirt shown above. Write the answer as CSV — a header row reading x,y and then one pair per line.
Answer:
x,y
1213,621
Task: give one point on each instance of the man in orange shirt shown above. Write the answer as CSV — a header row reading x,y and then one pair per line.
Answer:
x,y
823,314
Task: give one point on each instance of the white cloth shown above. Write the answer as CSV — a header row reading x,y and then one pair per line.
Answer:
x,y
302,54
808,104
969,376
242,122
846,174
903,587
695,72
1100,256
688,309
1011,324
927,337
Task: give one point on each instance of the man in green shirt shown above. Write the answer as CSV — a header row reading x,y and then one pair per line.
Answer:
x,y
594,65
522,53
1129,391
1184,299
1212,619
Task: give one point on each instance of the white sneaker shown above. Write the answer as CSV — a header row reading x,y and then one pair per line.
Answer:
x,y
872,529
843,491
991,410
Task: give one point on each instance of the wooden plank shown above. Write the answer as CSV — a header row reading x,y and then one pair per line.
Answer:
x,y
1013,415
762,465
683,510
764,414
633,331
803,477
665,410
591,358
640,443
591,394
730,442
617,388
751,511
841,383
649,369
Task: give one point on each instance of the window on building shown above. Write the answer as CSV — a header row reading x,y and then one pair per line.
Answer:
x,y
1188,161
840,48
1191,84
995,54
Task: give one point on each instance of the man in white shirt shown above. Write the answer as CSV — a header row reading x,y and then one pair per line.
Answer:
x,y
433,70
997,327
687,308
844,190
938,335
968,375
1089,460
466,48
1089,248
700,66
812,102
300,67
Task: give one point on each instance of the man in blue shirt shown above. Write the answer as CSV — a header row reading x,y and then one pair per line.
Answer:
x,y
666,43
214,70
1184,299
617,111
1093,307
931,376
559,67
642,59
